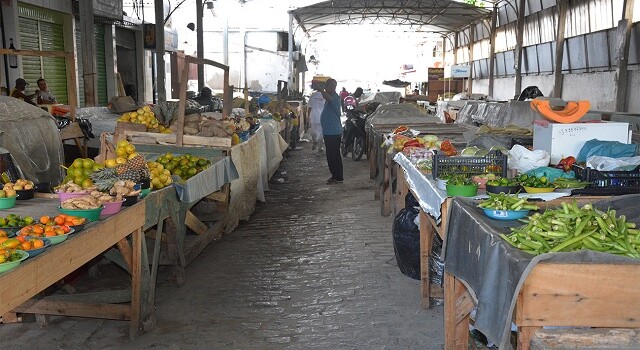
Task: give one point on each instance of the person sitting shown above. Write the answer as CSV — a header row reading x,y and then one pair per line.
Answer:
x,y
18,91
206,98
45,97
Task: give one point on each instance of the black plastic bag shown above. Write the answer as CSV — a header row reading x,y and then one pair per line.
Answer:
x,y
436,264
406,239
86,127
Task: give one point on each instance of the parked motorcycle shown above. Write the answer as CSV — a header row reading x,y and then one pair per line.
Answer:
x,y
353,132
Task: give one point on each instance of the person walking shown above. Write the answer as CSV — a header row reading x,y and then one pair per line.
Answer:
x,y
344,93
332,130
316,105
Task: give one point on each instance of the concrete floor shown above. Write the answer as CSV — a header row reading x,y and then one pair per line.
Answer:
x,y
314,268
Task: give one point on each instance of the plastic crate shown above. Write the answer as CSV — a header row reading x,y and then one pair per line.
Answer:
x,y
495,162
608,178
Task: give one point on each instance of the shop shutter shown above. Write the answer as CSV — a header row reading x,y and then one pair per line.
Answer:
x,y
125,38
101,67
42,29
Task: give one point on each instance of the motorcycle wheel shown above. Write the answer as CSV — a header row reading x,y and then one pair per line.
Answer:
x,y
358,148
344,148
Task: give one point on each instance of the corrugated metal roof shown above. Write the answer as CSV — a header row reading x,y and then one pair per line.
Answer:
x,y
423,16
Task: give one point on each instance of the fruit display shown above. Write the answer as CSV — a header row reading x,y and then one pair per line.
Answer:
x,y
7,193
571,113
13,220
534,181
569,228
144,116
185,166
503,181
160,176
80,172
195,124
30,243
460,180
62,219
123,188
19,185
134,169
9,243
124,151
40,230
10,255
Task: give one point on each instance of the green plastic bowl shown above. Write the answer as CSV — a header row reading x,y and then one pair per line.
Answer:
x,y
89,214
7,202
13,264
463,191
144,192
60,238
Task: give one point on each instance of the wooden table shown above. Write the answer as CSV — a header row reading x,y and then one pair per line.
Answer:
x,y
19,286
577,295
381,161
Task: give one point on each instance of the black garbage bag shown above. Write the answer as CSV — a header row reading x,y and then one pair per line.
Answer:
x,y
436,264
406,238
61,122
86,127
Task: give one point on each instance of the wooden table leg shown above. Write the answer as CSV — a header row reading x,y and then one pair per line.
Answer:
x,y
426,242
136,282
457,306
525,333
386,187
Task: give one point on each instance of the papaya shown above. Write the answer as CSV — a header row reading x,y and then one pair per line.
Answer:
x,y
571,113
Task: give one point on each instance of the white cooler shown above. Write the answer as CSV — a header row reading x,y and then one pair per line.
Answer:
x,y
563,140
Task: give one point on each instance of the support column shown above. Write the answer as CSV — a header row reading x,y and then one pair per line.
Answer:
x,y
518,51
622,52
200,43
557,67
455,48
472,33
161,75
444,51
88,53
290,75
492,48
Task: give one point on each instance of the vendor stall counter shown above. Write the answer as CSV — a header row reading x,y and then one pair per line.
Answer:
x,y
577,289
20,287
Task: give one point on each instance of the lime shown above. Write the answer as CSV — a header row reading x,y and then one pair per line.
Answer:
x,y
78,163
192,171
202,162
72,172
543,180
78,180
87,163
87,172
87,183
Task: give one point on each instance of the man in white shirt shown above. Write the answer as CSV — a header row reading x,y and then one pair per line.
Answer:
x,y
316,105
45,97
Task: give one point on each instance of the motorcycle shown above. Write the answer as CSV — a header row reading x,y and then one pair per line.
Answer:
x,y
353,132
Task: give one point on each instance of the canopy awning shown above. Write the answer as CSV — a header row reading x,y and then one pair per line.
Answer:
x,y
441,16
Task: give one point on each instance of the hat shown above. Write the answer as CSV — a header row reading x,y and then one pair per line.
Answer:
x,y
21,81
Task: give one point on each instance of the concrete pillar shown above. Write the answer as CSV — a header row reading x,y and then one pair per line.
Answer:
x,y
291,43
492,49
518,51
112,64
622,50
557,67
88,53
161,75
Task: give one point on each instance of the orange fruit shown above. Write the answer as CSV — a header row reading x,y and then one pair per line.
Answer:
x,y
38,229
65,228
59,220
3,238
49,234
3,233
44,219
59,231
37,243
26,245
21,238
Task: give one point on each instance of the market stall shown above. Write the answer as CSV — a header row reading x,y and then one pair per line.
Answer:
x,y
20,287
580,289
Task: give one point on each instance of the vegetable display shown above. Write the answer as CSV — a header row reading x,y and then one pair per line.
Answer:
x,y
569,228
563,182
533,181
503,201
503,181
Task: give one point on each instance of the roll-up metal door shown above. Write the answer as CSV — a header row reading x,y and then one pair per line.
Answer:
x,y
42,30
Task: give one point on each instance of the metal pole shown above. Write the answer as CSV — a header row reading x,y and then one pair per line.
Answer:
x,y
622,73
200,43
160,66
225,42
492,48
290,80
518,50
557,67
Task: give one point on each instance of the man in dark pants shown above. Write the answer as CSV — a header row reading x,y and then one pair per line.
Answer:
x,y
332,130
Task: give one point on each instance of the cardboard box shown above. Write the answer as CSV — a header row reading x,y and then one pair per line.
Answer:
x,y
563,140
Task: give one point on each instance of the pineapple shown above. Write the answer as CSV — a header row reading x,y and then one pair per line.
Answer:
x,y
134,170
